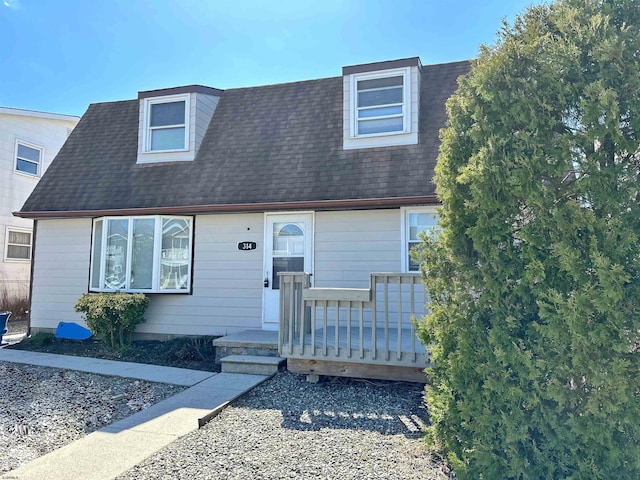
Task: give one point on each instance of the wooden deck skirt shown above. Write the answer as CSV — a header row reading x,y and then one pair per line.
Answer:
x,y
354,332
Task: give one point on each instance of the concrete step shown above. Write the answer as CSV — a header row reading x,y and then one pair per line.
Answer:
x,y
252,364
247,342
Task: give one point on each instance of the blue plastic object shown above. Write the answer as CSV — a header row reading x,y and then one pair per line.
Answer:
x,y
4,318
72,331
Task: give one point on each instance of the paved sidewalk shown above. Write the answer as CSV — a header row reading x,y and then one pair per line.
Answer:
x,y
116,448
9,338
150,373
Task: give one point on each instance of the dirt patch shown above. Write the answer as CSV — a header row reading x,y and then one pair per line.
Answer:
x,y
194,353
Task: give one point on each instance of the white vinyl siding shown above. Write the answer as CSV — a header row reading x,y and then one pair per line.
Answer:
x,y
205,105
227,287
350,245
46,133
227,282
61,272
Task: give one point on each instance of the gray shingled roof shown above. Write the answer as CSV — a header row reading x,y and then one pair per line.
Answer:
x,y
277,143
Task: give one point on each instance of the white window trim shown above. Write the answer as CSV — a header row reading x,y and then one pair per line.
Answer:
x,y
15,158
404,234
157,250
148,102
406,101
6,244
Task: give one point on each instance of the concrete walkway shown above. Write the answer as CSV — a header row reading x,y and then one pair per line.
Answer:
x,y
118,447
9,338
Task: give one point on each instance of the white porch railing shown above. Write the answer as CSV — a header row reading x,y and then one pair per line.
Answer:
x,y
374,325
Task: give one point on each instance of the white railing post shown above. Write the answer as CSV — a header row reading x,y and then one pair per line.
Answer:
x,y
349,328
282,321
374,308
386,317
304,282
291,310
411,317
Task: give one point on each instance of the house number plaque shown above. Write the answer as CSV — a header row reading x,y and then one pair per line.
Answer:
x,y
247,246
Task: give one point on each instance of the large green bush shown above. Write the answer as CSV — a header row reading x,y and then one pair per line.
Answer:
x,y
535,278
113,315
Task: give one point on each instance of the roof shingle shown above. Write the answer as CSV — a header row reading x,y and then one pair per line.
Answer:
x,y
271,144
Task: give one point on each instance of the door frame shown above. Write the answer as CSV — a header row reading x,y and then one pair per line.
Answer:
x,y
267,255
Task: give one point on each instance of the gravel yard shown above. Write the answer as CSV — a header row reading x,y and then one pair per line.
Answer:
x,y
43,409
290,429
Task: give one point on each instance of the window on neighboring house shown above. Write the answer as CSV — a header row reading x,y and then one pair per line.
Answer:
x,y
142,254
416,221
167,125
380,104
18,245
28,158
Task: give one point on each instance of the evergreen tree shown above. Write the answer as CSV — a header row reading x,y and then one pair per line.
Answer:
x,y
535,277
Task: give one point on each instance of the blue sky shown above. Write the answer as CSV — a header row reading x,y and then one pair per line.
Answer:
x,y
59,56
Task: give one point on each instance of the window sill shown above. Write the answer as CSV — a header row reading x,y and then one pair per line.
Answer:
x,y
383,134
373,140
17,260
151,152
25,174
166,156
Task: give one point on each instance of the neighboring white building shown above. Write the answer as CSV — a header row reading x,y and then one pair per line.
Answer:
x,y
29,141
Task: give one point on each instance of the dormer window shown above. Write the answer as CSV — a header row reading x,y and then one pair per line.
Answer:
x,y
173,121
167,128
379,105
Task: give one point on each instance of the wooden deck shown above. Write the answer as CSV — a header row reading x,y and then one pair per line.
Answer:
x,y
368,333
322,343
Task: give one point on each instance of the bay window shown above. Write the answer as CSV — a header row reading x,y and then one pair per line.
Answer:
x,y
142,254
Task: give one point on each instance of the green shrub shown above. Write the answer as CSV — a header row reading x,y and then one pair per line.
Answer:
x,y
40,340
113,315
534,280
186,349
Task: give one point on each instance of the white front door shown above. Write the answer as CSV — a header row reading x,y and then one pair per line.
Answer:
x,y
288,248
